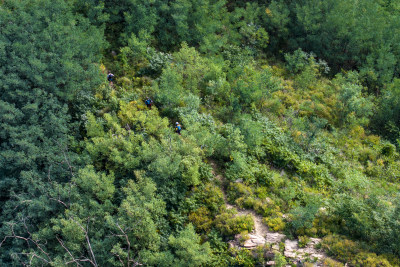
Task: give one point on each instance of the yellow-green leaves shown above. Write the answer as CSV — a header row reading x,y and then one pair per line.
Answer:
x,y
141,211
188,249
139,120
93,128
191,174
99,185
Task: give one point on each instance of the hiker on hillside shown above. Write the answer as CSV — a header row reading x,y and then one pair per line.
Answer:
x,y
110,77
148,102
178,128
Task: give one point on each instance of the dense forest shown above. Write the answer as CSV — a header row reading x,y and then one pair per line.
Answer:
x,y
200,133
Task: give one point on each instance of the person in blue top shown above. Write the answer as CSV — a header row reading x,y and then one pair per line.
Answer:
x,y
178,128
110,77
148,102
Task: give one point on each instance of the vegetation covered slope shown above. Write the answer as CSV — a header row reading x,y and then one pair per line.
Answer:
x,y
91,176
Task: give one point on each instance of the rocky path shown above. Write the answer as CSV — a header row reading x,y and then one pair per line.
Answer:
x,y
261,235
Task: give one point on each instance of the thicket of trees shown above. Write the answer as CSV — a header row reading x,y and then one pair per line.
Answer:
x,y
296,102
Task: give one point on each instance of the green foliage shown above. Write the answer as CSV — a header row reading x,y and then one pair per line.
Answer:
x,y
42,81
230,224
300,61
242,257
192,27
45,87
302,217
186,246
276,224
211,196
185,249
349,251
144,209
140,207
233,141
201,219
93,10
170,91
99,185
90,175
332,263
136,50
303,241
336,31
129,16
279,259
353,107
386,119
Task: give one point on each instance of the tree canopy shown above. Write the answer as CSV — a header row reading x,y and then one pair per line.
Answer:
x,y
290,123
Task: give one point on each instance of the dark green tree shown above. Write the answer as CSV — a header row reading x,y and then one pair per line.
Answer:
x,y
48,63
348,34
387,120
129,16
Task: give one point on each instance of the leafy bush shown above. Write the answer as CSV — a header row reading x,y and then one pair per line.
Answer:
x,y
332,263
242,257
229,224
349,251
276,224
344,249
201,219
303,241
211,196
279,260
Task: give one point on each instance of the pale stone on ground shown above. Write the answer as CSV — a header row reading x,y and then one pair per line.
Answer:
x,y
261,235
254,241
274,238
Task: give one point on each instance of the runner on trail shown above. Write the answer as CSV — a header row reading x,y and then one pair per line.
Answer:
x,y
110,77
178,128
148,102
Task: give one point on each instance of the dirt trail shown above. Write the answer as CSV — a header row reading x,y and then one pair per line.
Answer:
x,y
261,234
260,228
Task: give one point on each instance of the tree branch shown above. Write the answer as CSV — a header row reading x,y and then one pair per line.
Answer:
x,y
93,261
66,249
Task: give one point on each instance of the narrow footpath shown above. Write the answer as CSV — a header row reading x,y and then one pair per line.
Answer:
x,y
261,235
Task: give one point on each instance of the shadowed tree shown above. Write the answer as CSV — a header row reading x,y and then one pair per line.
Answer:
x,y
48,59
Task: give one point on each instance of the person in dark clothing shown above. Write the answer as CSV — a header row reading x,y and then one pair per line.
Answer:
x,y
110,77
178,128
148,102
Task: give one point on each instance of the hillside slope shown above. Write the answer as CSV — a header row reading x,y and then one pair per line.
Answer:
x,y
282,158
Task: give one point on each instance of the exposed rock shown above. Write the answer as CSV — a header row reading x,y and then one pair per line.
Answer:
x,y
275,247
261,236
254,241
257,239
291,247
229,206
249,244
311,251
314,241
293,251
274,238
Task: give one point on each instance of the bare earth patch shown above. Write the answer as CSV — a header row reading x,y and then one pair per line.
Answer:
x,y
261,235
